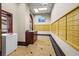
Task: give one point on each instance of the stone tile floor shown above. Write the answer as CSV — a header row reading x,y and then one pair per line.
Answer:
x,y
42,47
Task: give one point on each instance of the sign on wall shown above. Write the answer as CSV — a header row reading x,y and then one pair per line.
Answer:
x,y
41,19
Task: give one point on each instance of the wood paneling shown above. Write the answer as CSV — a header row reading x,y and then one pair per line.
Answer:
x,y
62,28
42,27
54,28
68,28
73,28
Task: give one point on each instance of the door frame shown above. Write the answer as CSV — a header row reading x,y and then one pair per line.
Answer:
x,y
10,20
31,20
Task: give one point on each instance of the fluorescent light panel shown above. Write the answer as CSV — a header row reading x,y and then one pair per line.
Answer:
x,y
36,10
39,9
42,8
44,3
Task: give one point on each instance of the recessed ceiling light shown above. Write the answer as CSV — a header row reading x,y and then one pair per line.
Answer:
x,y
42,8
44,3
36,10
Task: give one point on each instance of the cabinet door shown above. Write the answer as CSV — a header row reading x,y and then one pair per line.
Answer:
x,y
62,28
73,28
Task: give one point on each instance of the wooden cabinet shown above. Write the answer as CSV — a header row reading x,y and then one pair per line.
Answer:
x,y
68,28
54,28
62,28
30,37
73,28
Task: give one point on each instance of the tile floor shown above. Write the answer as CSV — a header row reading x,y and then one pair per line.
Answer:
x,y
42,47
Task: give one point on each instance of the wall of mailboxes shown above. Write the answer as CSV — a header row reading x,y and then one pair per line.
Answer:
x,y
67,28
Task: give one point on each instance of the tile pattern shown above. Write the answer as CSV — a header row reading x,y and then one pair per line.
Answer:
x,y
42,47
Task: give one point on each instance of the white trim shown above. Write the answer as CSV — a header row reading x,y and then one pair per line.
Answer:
x,y
66,48
44,32
43,23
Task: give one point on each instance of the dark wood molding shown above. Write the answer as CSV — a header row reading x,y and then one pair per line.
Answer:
x,y
0,53
43,34
5,12
31,20
21,43
10,20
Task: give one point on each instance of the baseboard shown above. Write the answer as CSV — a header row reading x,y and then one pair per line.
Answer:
x,y
21,43
24,43
43,34
56,47
0,53
65,47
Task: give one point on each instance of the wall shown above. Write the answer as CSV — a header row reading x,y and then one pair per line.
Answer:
x,y
47,16
42,26
68,28
66,48
73,28
54,28
20,18
23,20
61,9
12,9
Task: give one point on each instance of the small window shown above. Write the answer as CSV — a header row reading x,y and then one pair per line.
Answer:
x,y
41,19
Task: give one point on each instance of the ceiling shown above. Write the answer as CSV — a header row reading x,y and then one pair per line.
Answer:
x,y
49,7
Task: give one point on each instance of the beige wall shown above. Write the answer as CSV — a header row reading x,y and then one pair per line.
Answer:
x,y
11,7
47,16
23,20
44,26
61,9
66,27
20,18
